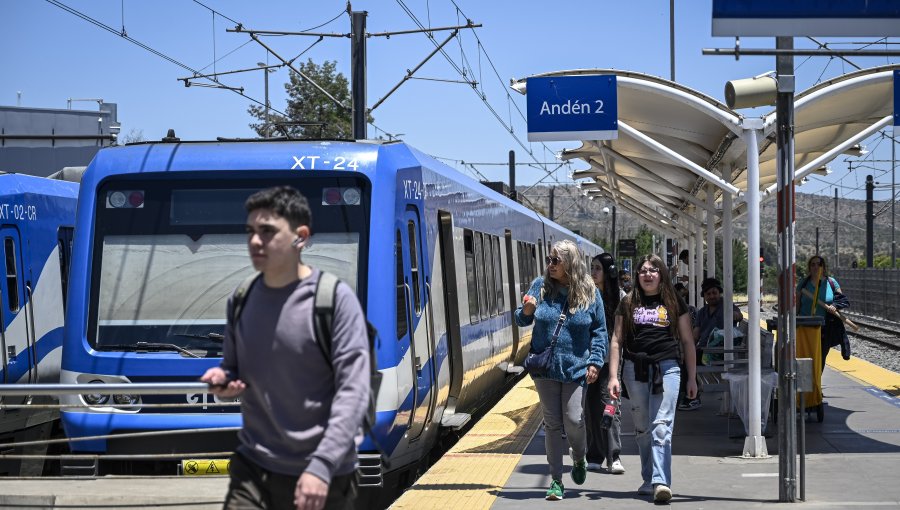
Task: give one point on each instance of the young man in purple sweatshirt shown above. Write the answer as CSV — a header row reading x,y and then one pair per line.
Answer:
x,y
302,408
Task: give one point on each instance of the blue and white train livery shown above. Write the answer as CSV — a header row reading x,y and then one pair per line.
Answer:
x,y
37,217
439,262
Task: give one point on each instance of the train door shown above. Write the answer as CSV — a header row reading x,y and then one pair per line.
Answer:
x,y
454,341
511,291
16,328
421,326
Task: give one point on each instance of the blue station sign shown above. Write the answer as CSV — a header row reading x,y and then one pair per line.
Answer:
x,y
836,18
897,98
562,108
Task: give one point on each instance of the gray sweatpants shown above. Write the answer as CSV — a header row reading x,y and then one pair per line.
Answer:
x,y
563,407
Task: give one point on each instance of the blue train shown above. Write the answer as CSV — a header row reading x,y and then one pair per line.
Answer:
x,y
438,260
37,218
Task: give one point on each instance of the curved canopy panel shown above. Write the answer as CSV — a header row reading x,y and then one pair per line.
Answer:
x,y
674,140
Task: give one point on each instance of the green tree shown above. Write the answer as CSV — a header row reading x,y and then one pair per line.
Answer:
x,y
643,241
310,113
738,263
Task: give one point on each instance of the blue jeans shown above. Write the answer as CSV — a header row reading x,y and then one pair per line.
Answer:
x,y
654,419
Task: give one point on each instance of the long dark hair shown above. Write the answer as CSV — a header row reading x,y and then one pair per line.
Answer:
x,y
666,292
611,290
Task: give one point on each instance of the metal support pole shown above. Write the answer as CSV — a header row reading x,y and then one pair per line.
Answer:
x,y
870,221
358,66
266,129
512,176
893,195
613,235
710,231
754,443
817,240
787,382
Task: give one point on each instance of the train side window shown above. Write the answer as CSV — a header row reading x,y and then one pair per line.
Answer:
x,y
490,265
12,279
64,244
498,275
414,266
469,248
479,270
401,288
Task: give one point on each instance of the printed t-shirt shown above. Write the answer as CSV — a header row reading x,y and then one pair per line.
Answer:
x,y
652,333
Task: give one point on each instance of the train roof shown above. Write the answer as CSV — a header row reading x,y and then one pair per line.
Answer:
x,y
281,154
21,184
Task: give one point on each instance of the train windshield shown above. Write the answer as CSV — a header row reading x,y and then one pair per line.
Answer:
x,y
168,255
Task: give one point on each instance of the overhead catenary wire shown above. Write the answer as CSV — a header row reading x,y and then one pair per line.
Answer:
x,y
158,53
464,73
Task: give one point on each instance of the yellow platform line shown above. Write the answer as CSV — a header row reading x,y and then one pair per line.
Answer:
x,y
862,371
475,469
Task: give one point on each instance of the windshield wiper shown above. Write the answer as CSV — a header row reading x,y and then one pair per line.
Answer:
x,y
209,336
152,346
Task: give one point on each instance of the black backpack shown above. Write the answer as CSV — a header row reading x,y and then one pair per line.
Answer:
x,y
326,290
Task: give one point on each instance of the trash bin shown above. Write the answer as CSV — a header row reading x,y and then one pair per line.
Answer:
x,y
739,386
809,345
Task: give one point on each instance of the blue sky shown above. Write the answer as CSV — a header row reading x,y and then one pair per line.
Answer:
x,y
51,55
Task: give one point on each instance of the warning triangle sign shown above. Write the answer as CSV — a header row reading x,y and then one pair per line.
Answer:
x,y
212,468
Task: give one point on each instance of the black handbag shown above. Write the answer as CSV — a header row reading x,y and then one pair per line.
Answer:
x,y
538,363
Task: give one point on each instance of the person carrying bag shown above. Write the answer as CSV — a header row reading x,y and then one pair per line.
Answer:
x,y
568,347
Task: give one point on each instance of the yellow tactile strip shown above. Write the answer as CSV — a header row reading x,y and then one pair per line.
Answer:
x,y
476,469
866,372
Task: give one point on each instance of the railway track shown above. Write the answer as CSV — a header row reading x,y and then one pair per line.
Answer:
x,y
880,331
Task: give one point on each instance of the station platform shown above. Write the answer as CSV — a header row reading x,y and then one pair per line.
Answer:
x,y
852,462
852,457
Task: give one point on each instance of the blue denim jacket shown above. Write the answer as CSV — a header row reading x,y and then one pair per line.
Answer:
x,y
582,340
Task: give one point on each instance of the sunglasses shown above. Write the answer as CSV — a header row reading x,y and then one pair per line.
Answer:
x,y
552,261
648,270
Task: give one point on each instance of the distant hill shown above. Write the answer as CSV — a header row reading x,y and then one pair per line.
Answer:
x,y
576,212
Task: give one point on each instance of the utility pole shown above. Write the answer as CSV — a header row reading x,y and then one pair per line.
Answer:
x,y
512,176
550,215
358,67
672,40
870,220
613,235
893,196
837,258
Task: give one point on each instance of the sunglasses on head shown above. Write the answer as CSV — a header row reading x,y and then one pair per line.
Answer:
x,y
648,270
552,261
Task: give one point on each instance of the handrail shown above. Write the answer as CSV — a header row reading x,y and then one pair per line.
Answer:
x,y
107,389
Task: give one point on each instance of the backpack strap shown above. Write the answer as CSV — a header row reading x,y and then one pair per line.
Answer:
x,y
323,311
239,298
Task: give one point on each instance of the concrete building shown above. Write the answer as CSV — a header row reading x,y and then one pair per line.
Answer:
x,y
40,141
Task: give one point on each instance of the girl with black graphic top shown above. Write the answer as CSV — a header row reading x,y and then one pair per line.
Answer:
x,y
654,327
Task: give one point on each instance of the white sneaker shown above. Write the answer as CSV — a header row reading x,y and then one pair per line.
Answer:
x,y
646,489
662,494
616,467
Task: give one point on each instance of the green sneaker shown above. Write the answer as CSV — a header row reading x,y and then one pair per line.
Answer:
x,y
556,490
579,472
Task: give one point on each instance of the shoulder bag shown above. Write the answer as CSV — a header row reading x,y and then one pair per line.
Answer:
x,y
538,363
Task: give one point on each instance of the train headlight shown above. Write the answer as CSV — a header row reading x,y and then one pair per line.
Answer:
x,y
116,199
351,196
126,400
95,399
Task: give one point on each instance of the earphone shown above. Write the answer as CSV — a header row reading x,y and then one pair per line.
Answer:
x,y
298,241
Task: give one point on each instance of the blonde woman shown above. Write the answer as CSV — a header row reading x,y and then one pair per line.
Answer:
x,y
565,299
